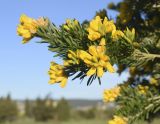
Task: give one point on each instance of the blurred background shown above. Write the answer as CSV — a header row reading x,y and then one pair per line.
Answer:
x,y
25,95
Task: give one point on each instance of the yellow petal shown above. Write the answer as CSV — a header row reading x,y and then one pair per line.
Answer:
x,y
105,20
87,61
93,50
71,54
116,34
19,29
66,27
66,63
58,79
104,57
95,23
109,25
101,50
102,42
84,54
26,40
52,81
93,35
133,31
68,21
109,67
26,34
102,63
23,18
94,59
91,71
63,82
53,63
53,67
52,76
100,71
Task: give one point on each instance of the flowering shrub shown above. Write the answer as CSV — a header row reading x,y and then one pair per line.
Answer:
x,y
90,50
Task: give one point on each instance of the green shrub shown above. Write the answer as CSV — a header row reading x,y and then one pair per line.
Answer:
x,y
63,110
87,114
43,110
8,109
28,108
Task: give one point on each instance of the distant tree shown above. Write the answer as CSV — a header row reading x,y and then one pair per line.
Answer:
x,y
8,109
43,109
87,114
91,113
28,108
63,110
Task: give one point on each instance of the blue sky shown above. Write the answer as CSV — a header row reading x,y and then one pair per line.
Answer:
x,y
23,68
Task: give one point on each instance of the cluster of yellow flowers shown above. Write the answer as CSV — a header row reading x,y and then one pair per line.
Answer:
x,y
57,74
96,60
28,27
98,28
111,94
118,120
143,89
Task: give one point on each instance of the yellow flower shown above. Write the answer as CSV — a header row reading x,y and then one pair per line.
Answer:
x,y
41,22
93,35
57,74
96,23
118,120
109,25
70,24
66,27
72,58
143,89
23,32
96,60
111,94
116,34
153,81
28,23
28,27
97,28
102,42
